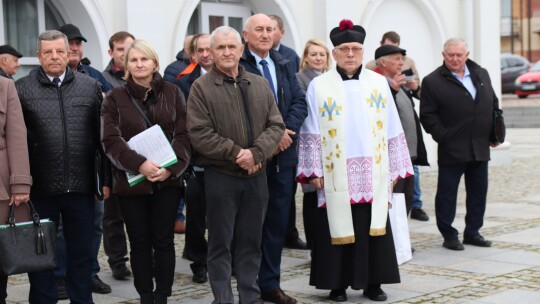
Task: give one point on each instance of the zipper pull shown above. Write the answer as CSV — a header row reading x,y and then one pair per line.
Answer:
x,y
234,85
277,168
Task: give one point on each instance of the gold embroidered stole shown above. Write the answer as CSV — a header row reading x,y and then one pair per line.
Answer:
x,y
330,94
374,89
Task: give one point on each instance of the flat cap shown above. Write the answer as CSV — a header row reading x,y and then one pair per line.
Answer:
x,y
8,49
72,32
388,49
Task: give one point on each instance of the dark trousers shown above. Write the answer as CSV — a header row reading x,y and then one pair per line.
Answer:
x,y
309,212
292,231
280,187
236,207
114,235
77,211
61,256
196,247
406,186
476,185
3,288
150,226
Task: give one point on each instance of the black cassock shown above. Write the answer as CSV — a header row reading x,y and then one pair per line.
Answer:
x,y
370,260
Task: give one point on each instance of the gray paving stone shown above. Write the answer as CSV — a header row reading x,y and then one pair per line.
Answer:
x,y
508,272
513,296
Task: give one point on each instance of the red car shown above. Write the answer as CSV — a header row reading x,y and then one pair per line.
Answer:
x,y
529,83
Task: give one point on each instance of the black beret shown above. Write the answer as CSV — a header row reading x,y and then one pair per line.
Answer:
x,y
388,49
347,32
8,49
72,32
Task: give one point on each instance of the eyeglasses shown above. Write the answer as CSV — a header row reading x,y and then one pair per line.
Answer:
x,y
345,50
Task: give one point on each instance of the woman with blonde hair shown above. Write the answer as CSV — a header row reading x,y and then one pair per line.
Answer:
x,y
149,207
315,61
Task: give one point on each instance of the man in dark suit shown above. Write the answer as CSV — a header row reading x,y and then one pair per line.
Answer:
x,y
259,58
292,239
456,108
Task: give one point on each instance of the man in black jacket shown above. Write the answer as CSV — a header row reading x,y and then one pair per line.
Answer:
x,y
196,247
456,108
61,111
261,59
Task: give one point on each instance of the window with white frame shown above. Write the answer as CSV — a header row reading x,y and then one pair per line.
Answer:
x,y
22,22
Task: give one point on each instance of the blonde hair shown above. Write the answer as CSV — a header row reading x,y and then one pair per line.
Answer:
x,y
316,42
143,47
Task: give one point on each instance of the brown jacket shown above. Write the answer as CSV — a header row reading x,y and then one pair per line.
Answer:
x,y
120,121
14,166
226,115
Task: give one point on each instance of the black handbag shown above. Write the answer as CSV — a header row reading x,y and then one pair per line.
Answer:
x,y
27,247
498,130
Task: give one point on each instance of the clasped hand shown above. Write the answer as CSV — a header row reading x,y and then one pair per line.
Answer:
x,y
153,172
286,141
245,160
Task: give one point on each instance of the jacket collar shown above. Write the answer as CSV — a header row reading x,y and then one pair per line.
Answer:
x,y
276,57
471,65
116,73
140,92
4,74
42,77
220,77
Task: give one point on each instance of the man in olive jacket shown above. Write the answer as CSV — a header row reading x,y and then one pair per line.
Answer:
x,y
235,127
456,108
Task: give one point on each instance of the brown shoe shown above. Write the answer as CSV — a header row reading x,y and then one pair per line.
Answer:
x,y
278,296
179,227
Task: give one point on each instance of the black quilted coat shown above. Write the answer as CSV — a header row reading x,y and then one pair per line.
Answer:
x,y
63,131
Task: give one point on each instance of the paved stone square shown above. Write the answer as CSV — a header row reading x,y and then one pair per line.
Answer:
x,y
508,272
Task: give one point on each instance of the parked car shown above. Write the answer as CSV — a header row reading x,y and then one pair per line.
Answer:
x,y
529,83
512,66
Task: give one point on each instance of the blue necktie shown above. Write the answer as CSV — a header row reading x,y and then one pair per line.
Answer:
x,y
268,76
56,81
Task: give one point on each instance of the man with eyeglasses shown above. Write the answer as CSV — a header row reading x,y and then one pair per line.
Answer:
x,y
353,150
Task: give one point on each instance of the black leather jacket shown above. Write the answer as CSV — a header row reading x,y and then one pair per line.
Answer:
x,y
63,131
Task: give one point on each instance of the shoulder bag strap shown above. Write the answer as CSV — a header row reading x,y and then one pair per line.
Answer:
x,y
139,109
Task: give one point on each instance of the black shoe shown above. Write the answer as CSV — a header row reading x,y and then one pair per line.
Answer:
x,y
61,289
98,286
338,295
453,244
296,244
375,293
121,272
477,241
419,214
199,273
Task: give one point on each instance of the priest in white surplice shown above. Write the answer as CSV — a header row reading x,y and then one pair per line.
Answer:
x,y
352,148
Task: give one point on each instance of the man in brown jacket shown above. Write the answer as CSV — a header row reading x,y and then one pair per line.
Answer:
x,y
234,126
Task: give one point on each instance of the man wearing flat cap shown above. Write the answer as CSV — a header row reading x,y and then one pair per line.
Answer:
x,y
9,61
352,149
389,60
